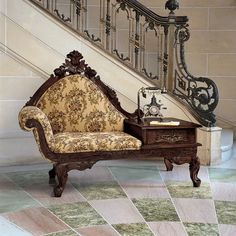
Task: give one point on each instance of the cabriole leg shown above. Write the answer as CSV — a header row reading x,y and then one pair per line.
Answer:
x,y
52,175
169,165
194,168
62,175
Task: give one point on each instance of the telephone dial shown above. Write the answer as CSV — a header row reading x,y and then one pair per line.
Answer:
x,y
151,110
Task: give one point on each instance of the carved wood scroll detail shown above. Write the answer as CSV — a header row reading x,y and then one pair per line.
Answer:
x,y
62,169
171,138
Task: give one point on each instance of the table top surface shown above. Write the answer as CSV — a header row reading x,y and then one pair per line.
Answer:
x,y
146,124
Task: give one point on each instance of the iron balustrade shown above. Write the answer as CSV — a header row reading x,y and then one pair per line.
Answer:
x,y
200,93
150,44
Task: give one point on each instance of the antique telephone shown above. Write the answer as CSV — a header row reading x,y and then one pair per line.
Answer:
x,y
152,110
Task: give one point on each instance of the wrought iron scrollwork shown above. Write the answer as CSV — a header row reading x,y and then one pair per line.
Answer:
x,y
62,16
149,75
146,41
78,6
200,93
121,26
92,37
123,7
121,56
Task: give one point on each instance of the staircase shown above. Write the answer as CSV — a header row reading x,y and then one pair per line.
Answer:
x,y
40,34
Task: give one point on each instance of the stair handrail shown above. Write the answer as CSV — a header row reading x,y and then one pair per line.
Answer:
x,y
143,10
198,94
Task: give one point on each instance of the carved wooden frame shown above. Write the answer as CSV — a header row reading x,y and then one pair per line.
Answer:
x,y
64,162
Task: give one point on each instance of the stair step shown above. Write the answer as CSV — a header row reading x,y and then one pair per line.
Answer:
x,y
227,141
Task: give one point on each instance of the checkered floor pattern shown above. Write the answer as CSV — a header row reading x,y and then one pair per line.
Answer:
x,y
128,198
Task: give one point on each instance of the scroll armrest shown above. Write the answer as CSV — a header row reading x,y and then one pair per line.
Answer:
x,y
30,113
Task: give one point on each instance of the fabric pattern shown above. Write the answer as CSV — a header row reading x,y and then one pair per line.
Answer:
x,y
94,141
32,112
76,104
77,117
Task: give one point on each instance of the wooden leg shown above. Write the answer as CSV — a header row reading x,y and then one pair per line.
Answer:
x,y
194,168
168,163
52,175
62,175
61,171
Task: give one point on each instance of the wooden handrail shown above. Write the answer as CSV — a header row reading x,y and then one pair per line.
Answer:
x,y
144,11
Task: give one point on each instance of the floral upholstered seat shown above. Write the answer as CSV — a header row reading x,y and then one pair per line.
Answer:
x,y
77,120
70,142
77,117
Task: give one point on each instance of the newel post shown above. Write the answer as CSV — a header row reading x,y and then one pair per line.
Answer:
x,y
171,5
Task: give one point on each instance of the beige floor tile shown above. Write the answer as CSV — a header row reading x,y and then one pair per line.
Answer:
x,y
224,191
131,163
227,230
141,189
117,211
19,168
37,221
195,210
44,194
6,184
167,228
100,230
94,175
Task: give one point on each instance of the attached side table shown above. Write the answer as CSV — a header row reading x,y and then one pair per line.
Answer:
x,y
176,144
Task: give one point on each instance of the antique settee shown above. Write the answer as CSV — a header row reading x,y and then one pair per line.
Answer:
x,y
77,120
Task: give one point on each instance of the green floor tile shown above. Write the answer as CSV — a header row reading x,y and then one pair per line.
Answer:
x,y
222,175
226,212
199,229
96,191
156,209
77,214
128,173
64,233
186,190
137,229
31,178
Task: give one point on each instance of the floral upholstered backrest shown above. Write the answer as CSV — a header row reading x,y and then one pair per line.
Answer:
x,y
76,104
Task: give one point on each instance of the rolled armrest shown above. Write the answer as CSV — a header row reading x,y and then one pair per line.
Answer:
x,y
30,113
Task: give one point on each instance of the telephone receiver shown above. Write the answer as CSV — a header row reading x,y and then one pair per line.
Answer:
x,y
153,108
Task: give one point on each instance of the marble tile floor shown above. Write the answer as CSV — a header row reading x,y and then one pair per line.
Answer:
x,y
126,198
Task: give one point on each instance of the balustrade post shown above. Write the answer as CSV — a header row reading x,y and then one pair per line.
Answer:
x,y
78,8
171,56
47,5
165,59
136,40
108,26
171,5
